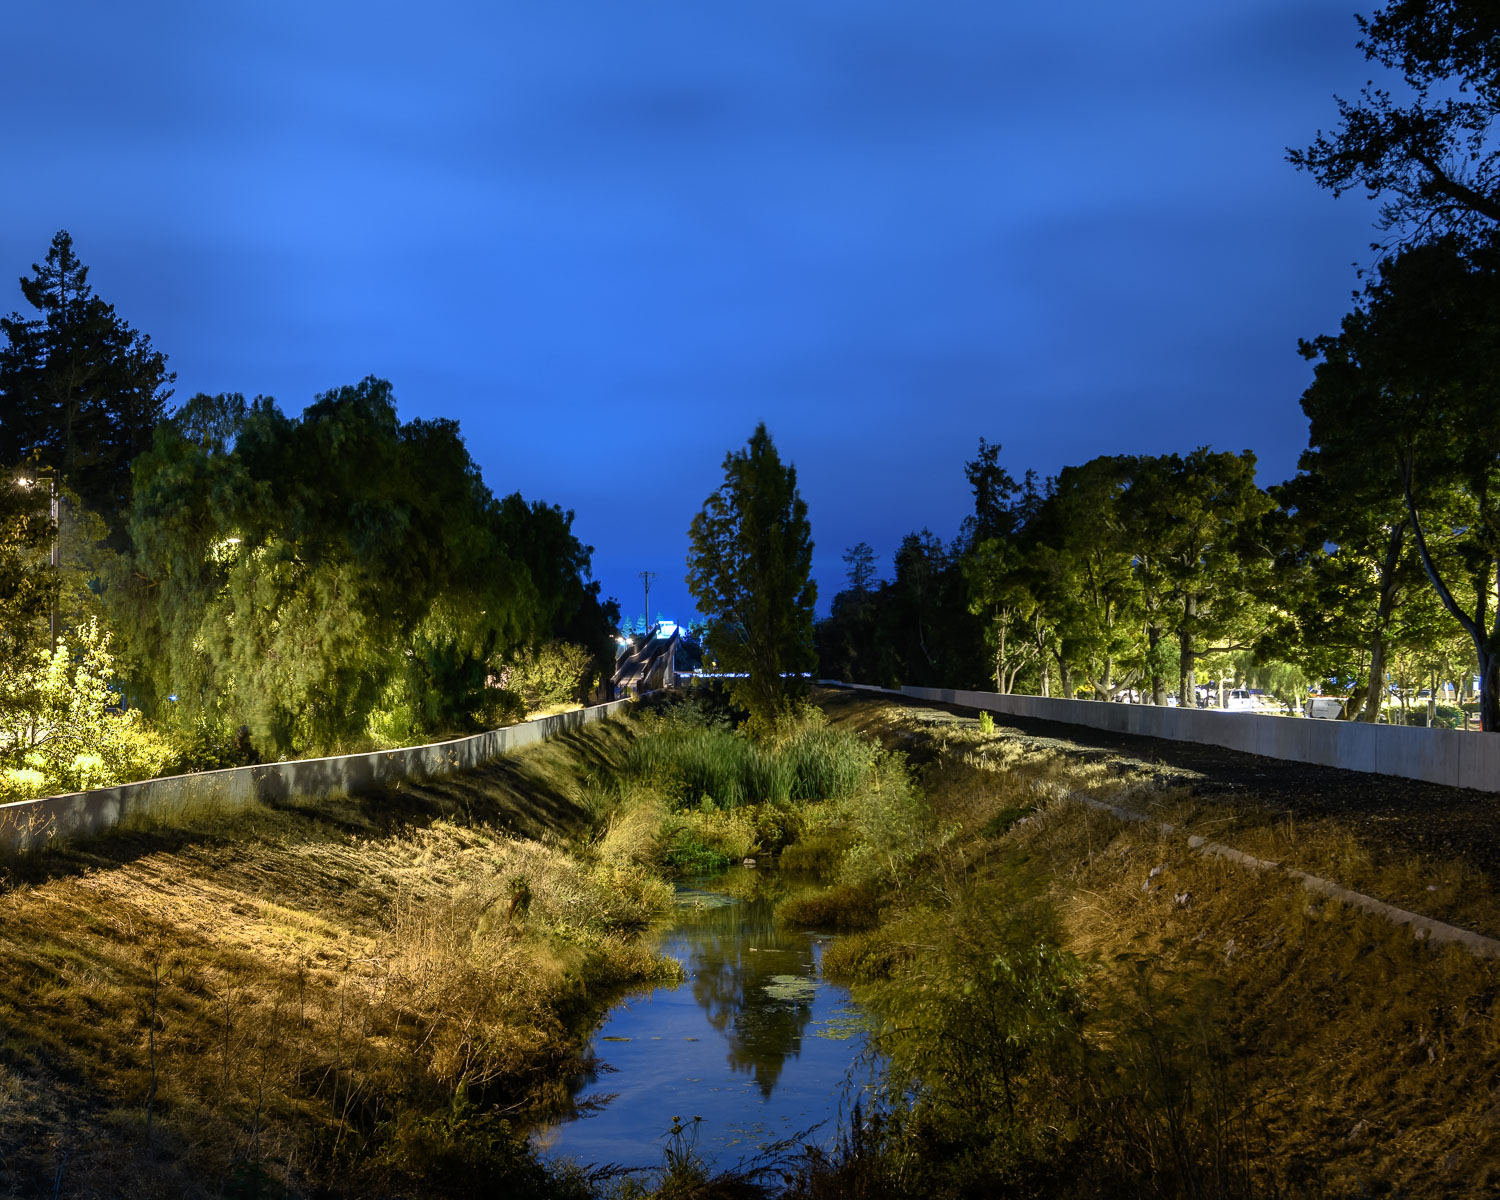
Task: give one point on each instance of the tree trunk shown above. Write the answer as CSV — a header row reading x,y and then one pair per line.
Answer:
x,y
1369,709
1002,622
1489,690
1187,688
1158,684
1375,689
1486,641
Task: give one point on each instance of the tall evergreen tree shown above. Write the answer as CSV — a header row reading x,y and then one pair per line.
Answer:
x,y
80,390
750,571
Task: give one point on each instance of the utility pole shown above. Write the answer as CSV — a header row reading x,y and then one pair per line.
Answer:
x,y
646,578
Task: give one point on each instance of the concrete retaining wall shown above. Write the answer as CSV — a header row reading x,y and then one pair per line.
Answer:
x,y
1453,757
30,824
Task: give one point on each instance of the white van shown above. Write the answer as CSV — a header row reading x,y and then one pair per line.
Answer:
x,y
1324,708
1239,700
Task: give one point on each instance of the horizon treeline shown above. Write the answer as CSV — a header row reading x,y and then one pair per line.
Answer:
x,y
1150,576
323,580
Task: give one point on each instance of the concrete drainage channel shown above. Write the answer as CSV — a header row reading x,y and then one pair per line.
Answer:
x,y
1423,928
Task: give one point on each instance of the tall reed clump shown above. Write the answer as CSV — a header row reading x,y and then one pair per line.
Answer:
x,y
687,755
728,795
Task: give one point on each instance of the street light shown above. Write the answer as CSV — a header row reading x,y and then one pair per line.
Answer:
x,y
29,483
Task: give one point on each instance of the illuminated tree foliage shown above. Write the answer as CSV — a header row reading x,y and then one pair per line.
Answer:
x,y
317,578
27,582
61,729
749,569
1406,398
1119,574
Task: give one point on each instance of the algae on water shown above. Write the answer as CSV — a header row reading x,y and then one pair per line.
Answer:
x,y
791,989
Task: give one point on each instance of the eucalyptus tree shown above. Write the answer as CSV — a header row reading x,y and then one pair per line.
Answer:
x,y
1081,574
1192,526
1348,590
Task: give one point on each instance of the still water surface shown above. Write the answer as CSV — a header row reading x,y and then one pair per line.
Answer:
x,y
754,1042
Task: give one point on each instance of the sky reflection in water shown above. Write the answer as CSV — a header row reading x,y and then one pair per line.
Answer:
x,y
754,1042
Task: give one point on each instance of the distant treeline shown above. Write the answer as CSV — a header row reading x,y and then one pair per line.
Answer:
x,y
1371,575
322,581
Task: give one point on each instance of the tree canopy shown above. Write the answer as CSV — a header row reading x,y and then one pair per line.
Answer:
x,y
1430,153
307,576
1406,401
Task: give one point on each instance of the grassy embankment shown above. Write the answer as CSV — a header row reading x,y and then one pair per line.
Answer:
x,y
362,997
1079,1006
368,998
373,996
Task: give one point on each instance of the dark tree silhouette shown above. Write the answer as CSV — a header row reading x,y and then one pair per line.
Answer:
x,y
80,390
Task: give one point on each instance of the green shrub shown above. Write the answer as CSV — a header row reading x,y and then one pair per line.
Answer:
x,y
553,676
705,842
843,907
889,821
206,747
60,721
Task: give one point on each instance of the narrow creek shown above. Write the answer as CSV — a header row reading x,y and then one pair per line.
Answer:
x,y
755,1041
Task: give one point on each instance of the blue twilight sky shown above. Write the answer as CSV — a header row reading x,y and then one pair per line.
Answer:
x,y
609,237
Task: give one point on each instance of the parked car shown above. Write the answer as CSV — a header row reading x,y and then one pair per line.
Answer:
x,y
1324,708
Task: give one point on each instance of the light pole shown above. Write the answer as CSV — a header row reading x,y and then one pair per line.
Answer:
x,y
28,483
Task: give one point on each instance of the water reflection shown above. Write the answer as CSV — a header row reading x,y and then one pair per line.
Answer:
x,y
754,982
753,1042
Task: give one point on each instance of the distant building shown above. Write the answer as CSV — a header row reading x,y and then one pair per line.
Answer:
x,y
655,661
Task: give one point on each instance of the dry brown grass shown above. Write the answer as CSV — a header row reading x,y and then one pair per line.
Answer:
x,y
1364,1061
272,998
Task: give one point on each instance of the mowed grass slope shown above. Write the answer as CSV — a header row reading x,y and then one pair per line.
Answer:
x,y
1228,1032
338,995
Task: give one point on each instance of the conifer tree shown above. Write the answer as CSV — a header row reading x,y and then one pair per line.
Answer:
x,y
749,569
80,390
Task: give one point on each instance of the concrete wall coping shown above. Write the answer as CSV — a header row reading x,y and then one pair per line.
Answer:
x,y
174,799
1451,757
